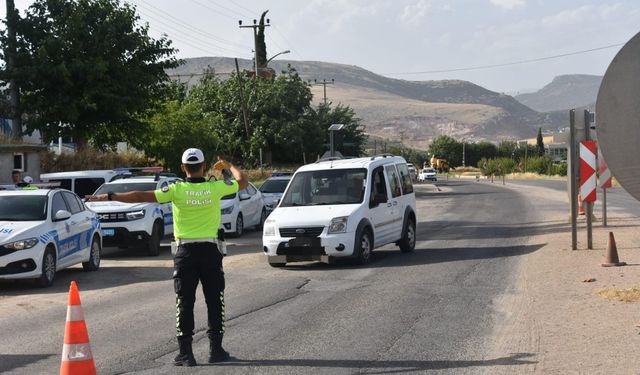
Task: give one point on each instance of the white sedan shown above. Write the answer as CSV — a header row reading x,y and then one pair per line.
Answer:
x,y
427,174
43,231
242,210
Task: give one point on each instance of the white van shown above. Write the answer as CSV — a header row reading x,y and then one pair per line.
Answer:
x,y
87,182
81,182
342,208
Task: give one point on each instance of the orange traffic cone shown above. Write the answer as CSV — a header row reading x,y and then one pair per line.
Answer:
x,y
76,351
580,205
611,257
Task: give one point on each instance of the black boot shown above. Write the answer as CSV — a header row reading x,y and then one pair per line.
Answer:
x,y
185,357
216,352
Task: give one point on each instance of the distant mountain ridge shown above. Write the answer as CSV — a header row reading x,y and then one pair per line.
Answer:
x,y
564,92
418,111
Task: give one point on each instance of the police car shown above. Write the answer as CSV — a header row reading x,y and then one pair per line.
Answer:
x,y
141,224
45,230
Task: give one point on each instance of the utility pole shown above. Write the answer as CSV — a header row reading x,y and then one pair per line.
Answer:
x,y
244,104
572,183
10,52
255,27
463,143
324,83
589,210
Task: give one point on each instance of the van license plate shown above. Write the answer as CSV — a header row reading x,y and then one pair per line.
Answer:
x,y
108,232
301,242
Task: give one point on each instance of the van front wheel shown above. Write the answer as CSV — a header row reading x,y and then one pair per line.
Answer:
x,y
408,242
364,247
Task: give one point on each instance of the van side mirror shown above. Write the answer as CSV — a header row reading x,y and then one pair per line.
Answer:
x,y
244,196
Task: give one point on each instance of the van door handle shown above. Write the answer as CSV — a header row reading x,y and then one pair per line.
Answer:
x,y
389,204
395,203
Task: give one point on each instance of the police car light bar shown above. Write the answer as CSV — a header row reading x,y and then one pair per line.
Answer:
x,y
47,185
138,169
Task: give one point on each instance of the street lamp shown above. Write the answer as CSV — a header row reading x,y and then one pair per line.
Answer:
x,y
333,128
276,55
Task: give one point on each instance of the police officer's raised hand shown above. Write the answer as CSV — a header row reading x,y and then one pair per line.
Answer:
x,y
96,198
221,164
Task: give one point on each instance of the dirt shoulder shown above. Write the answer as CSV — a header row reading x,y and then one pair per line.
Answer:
x,y
557,316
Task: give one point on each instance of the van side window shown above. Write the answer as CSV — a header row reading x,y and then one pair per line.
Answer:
x,y
87,186
394,182
65,183
405,179
378,185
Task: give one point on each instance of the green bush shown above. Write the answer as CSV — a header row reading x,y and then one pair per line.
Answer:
x,y
497,167
89,159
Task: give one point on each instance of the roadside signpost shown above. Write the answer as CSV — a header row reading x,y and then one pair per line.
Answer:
x,y
588,171
588,184
581,172
604,176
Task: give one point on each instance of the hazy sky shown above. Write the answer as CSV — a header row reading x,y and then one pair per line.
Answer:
x,y
405,36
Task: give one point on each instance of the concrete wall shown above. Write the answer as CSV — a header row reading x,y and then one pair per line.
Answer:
x,y
32,165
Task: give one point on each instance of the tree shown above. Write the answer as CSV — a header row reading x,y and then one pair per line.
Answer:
x,y
350,141
282,121
178,124
447,147
540,143
261,46
88,69
476,151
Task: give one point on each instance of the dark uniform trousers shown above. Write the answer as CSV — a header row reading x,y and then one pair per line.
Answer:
x,y
193,263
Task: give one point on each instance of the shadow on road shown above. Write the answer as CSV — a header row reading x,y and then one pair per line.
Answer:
x,y
392,366
10,362
394,258
442,194
471,230
105,277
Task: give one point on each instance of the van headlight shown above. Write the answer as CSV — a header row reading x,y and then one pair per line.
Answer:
x,y
22,245
135,215
227,211
338,225
269,231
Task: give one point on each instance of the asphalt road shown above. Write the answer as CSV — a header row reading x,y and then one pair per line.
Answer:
x,y
618,200
431,310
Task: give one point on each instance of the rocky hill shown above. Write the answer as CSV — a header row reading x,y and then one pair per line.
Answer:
x,y
563,93
416,111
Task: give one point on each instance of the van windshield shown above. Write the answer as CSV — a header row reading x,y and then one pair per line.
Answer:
x,y
334,186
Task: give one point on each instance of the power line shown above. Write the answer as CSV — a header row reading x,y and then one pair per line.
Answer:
x,y
509,63
190,40
241,6
231,10
167,16
294,48
271,39
217,11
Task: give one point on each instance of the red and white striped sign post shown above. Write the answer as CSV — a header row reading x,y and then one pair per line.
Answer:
x,y
588,150
604,176
588,171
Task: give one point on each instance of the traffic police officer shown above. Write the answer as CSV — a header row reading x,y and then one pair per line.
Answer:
x,y
196,219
